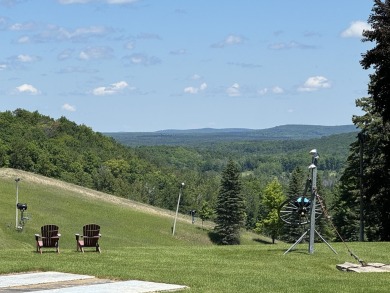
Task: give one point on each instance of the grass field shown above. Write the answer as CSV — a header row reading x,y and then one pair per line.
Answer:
x,y
138,244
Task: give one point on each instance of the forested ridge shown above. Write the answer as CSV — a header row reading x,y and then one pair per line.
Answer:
x,y
61,149
206,136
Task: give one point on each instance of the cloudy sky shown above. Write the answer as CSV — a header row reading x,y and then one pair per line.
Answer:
x,y
147,65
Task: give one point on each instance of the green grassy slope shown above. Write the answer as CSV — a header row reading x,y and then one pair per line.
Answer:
x,y
124,223
137,245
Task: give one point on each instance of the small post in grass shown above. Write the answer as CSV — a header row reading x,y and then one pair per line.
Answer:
x,y
17,200
177,209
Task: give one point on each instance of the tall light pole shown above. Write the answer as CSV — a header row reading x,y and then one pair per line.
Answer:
x,y
361,225
177,208
313,168
17,200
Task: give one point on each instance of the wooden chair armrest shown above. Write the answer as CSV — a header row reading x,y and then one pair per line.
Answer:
x,y
91,237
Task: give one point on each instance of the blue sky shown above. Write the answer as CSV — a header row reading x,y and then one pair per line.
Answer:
x,y
144,65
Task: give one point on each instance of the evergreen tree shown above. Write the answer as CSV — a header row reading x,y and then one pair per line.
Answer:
x,y
230,207
296,187
378,57
296,184
375,129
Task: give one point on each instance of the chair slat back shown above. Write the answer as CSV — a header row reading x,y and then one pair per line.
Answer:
x,y
91,235
47,233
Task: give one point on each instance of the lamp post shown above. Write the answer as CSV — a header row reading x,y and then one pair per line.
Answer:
x,y
313,168
17,200
361,146
177,209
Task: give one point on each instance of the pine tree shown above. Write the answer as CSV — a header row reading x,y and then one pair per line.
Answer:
x,y
377,183
230,207
296,187
378,57
296,184
375,129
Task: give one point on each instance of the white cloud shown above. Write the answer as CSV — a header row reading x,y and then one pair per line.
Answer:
x,y
17,60
234,90
95,53
228,41
196,77
65,54
314,83
110,90
232,40
290,45
191,90
22,26
195,90
277,90
57,33
68,107
130,45
25,58
27,88
355,29
178,52
83,31
140,59
3,66
23,40
274,90
263,91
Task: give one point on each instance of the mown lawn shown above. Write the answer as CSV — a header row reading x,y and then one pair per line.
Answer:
x,y
139,245
244,268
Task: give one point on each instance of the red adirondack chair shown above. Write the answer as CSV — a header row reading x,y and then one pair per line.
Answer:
x,y
49,237
90,237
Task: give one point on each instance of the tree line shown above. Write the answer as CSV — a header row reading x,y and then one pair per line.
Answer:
x,y
353,171
61,149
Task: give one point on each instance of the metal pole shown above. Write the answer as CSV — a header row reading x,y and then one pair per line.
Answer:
x,y
177,209
313,168
17,200
361,226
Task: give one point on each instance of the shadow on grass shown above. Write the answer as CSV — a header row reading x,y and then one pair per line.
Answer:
x,y
214,237
263,241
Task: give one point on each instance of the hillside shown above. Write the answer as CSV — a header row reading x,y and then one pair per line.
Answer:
x,y
124,223
62,150
196,137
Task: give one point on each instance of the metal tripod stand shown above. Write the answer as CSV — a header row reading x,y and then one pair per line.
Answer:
x,y
295,210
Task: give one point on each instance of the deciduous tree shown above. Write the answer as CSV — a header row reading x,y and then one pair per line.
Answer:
x,y
273,197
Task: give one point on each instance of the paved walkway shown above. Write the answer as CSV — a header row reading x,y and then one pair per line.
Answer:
x,y
72,283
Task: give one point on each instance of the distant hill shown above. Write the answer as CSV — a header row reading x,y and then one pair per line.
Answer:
x,y
212,135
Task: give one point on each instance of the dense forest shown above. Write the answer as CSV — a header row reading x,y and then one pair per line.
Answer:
x,y
206,136
74,153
